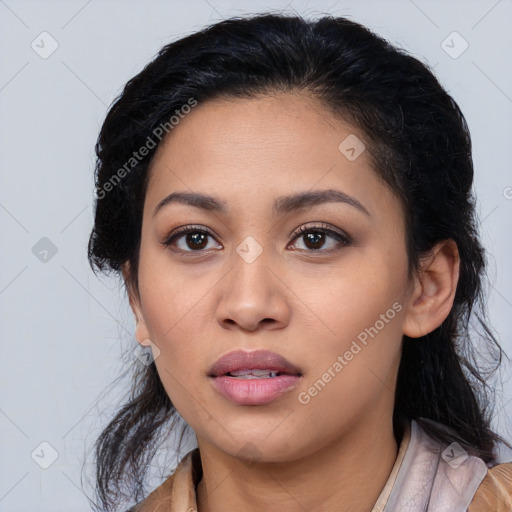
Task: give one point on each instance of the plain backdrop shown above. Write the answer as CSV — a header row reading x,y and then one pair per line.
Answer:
x,y
67,334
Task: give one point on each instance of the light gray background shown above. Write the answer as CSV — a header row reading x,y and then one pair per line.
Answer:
x,y
64,332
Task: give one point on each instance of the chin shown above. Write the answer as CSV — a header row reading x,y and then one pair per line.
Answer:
x,y
253,446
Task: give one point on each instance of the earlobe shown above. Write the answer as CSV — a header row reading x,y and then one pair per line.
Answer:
x,y
434,290
141,334
141,331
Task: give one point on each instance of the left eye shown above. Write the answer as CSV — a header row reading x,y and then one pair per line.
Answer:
x,y
314,239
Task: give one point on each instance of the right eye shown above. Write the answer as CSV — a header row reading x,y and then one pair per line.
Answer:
x,y
188,239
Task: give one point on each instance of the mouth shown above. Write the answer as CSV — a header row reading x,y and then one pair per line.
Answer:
x,y
257,364
253,378
254,374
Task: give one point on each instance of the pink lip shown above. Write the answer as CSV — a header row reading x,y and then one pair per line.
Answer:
x,y
253,391
255,360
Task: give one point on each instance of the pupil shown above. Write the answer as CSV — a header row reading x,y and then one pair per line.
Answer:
x,y
316,238
198,239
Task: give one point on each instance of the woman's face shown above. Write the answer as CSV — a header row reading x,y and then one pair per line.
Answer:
x,y
331,300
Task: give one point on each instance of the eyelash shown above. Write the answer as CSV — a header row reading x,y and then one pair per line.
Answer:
x,y
342,239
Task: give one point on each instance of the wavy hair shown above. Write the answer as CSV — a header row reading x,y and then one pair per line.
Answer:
x,y
421,147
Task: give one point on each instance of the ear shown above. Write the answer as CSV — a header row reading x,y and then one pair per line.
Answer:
x,y
141,330
434,290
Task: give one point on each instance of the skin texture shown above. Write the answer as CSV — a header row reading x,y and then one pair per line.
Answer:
x,y
302,302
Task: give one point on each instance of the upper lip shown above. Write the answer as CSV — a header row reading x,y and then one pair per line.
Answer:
x,y
255,360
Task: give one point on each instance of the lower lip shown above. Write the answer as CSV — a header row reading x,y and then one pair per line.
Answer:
x,y
254,391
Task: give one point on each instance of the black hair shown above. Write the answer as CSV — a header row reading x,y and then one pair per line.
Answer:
x,y
420,146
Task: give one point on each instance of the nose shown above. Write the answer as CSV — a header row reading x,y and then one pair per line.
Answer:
x,y
252,297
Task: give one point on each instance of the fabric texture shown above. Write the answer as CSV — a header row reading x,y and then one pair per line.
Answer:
x,y
426,477
495,492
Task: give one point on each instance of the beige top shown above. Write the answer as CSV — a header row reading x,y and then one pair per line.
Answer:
x,y
494,494
384,495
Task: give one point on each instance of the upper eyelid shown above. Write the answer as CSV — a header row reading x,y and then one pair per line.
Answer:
x,y
320,226
296,232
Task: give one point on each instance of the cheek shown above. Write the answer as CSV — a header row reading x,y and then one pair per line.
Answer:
x,y
172,314
351,297
359,311
359,345
172,294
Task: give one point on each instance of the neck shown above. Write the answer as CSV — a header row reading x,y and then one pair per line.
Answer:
x,y
351,471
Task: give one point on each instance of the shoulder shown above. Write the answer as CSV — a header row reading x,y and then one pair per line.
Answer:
x,y
177,492
157,499
434,476
495,492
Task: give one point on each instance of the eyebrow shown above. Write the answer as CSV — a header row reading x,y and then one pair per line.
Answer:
x,y
282,205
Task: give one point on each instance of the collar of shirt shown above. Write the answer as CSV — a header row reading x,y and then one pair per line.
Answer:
x,y
425,476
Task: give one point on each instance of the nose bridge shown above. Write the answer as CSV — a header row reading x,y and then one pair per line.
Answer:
x,y
250,293
250,277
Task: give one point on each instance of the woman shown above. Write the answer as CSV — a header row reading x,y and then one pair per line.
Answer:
x,y
289,203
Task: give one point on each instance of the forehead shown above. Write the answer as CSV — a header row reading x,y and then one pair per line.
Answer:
x,y
251,150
